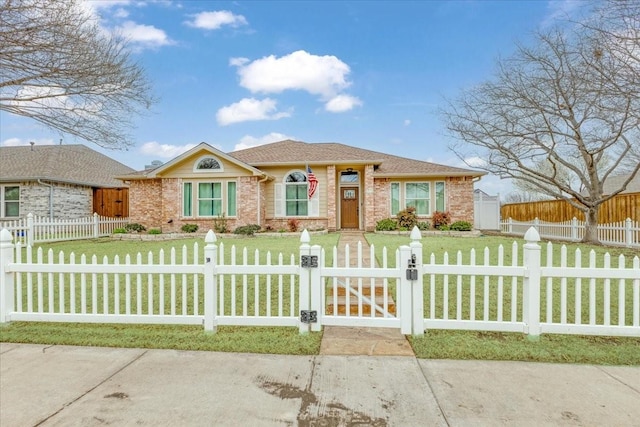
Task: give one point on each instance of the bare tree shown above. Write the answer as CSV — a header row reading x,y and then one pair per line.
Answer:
x,y
58,67
570,103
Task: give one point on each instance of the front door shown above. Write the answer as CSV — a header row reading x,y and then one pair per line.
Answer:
x,y
349,208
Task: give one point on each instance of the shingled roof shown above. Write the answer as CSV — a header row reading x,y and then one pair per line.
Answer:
x,y
73,164
296,152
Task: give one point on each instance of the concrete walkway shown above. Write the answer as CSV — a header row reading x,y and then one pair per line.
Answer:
x,y
83,386
338,340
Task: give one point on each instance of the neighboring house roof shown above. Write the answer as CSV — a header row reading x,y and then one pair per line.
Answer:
x,y
72,164
296,152
615,182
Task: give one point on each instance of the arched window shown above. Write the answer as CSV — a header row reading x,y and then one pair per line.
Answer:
x,y
207,164
296,194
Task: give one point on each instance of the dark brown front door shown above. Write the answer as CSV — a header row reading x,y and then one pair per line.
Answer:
x,y
349,211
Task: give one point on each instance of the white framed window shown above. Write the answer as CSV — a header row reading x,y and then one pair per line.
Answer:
x,y
209,199
426,197
292,196
9,201
207,164
417,195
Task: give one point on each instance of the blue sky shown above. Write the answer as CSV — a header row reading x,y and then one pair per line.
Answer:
x,y
370,74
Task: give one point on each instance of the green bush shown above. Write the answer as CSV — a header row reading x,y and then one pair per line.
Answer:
x,y
407,218
220,224
387,224
119,231
189,228
440,219
423,225
461,226
248,230
135,228
155,231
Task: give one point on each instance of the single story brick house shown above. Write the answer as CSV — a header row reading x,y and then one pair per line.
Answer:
x,y
60,181
321,185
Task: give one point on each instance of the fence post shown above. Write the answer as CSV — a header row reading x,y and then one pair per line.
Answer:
x,y
7,297
316,288
510,226
574,229
628,236
417,287
30,229
404,291
210,282
303,295
96,225
531,285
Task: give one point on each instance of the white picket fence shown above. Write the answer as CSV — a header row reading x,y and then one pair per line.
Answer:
x,y
216,286
623,233
35,229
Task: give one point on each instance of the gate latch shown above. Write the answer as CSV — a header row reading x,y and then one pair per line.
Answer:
x,y
308,316
412,271
309,261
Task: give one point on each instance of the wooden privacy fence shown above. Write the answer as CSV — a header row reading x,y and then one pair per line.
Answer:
x,y
617,209
35,229
624,233
216,286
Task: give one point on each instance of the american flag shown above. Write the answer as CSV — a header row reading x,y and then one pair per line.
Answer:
x,y
313,182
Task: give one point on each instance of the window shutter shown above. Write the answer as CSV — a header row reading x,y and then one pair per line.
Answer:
x,y
314,205
279,207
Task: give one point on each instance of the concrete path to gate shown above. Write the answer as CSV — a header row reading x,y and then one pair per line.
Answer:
x,y
91,386
350,341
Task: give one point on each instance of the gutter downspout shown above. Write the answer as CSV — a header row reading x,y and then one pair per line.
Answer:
x,y
50,197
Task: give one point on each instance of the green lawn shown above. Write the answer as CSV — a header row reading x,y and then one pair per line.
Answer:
x,y
435,344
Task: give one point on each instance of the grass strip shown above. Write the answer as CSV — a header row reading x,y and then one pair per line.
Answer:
x,y
244,339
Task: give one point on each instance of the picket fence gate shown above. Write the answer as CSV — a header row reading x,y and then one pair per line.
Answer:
x,y
220,287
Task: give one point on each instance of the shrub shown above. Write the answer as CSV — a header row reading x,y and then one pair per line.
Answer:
x,y
387,224
248,230
119,231
440,219
424,225
155,231
407,218
135,228
220,224
461,226
189,228
293,225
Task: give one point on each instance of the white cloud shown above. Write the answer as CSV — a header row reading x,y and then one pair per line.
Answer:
x,y
342,103
17,142
407,122
166,151
560,10
318,75
144,36
474,162
248,141
248,109
216,20
238,62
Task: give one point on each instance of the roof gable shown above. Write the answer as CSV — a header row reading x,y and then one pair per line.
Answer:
x,y
193,154
73,163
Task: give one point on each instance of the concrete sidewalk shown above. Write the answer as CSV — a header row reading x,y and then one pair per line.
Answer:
x,y
82,386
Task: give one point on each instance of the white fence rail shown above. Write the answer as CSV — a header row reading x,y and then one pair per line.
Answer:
x,y
623,233
34,229
513,291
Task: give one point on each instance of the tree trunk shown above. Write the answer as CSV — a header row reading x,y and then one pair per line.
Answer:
x,y
591,226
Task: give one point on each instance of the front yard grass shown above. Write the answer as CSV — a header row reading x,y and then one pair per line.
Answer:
x,y
436,344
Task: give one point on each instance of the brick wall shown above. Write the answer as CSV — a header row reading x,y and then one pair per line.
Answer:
x,y
459,191
68,201
145,202
382,192
370,201
247,200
